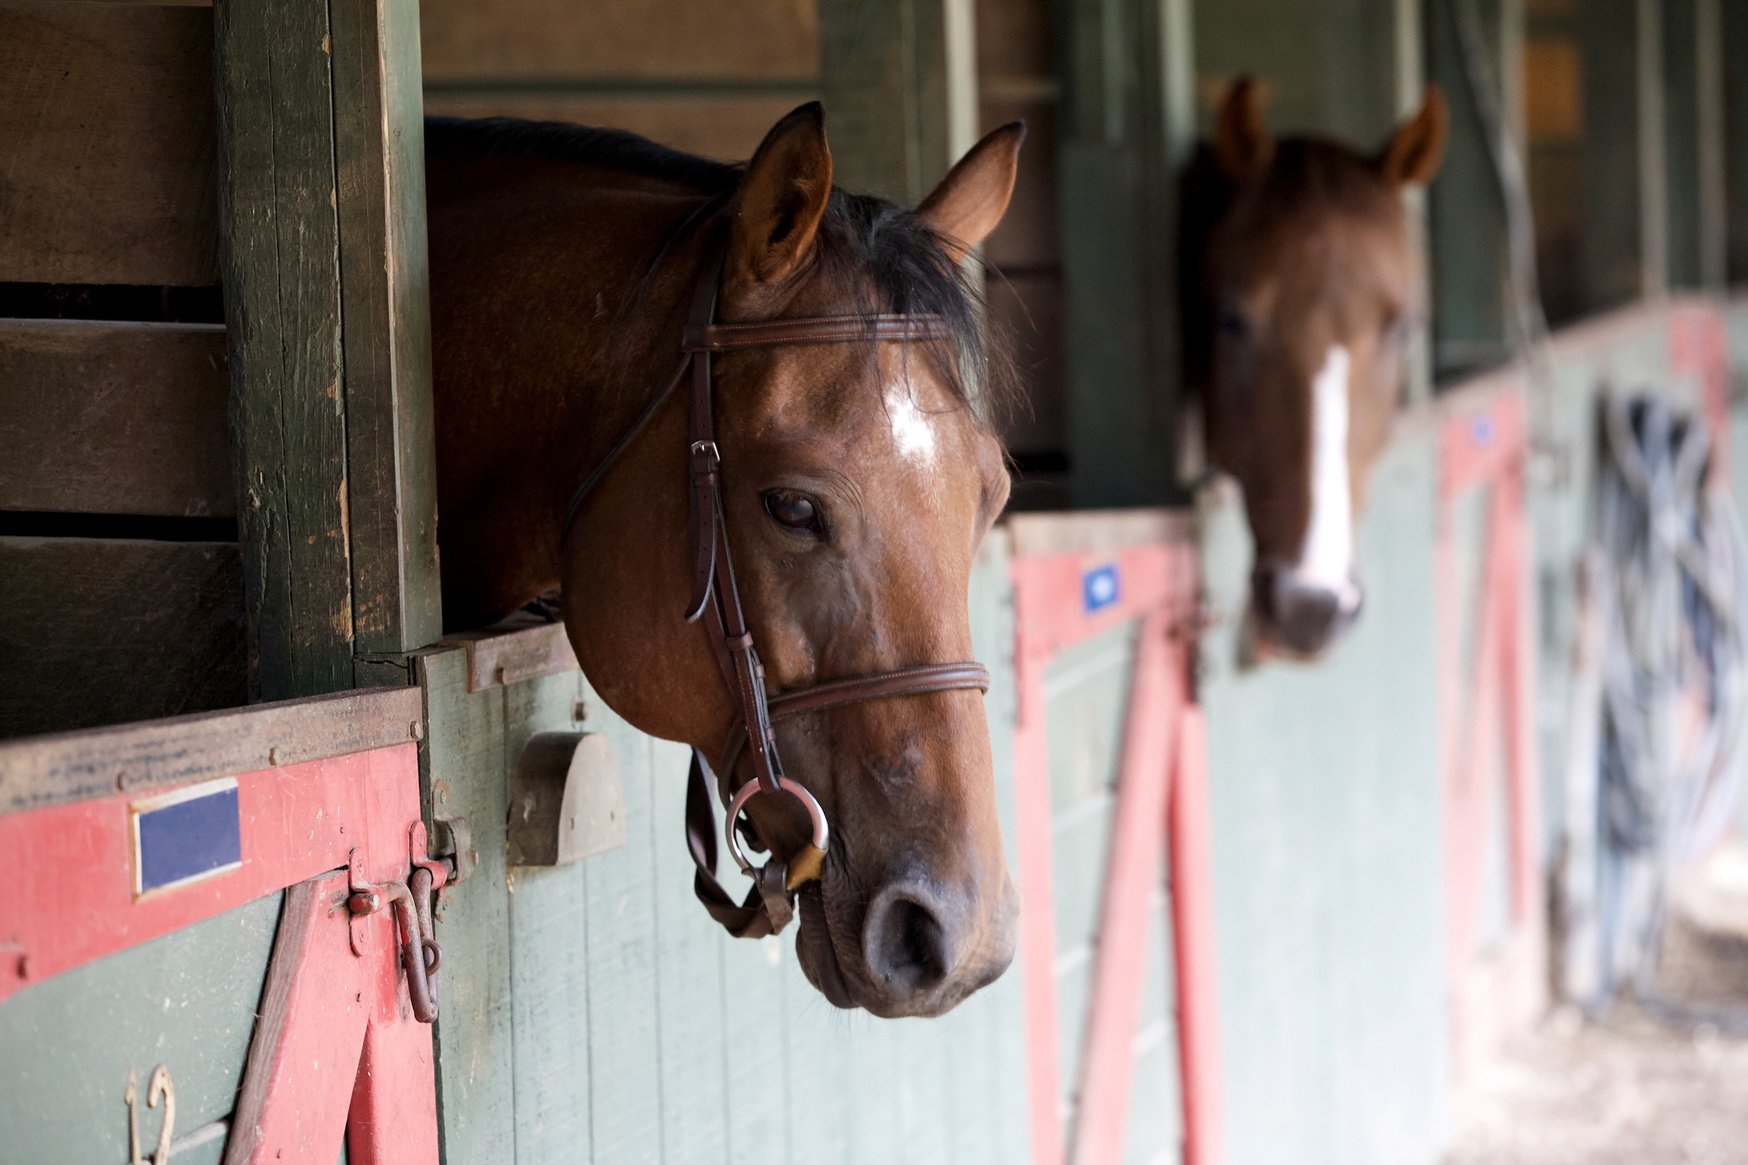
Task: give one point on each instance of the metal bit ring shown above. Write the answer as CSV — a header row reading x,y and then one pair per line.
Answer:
x,y
821,830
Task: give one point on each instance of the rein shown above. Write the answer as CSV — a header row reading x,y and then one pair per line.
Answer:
x,y
715,599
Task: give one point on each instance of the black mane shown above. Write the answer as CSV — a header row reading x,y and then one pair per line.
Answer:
x,y
862,239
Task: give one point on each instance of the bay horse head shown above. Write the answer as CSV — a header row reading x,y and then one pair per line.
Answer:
x,y
1303,295
854,477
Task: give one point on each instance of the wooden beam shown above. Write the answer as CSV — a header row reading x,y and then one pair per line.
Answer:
x,y
98,631
326,297
1710,130
1611,237
1735,98
103,418
281,265
106,145
1128,125
900,85
1653,149
385,314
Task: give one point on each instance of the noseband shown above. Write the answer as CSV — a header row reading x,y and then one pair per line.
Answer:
x,y
770,904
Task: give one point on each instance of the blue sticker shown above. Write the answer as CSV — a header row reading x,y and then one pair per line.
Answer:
x,y
187,835
1099,586
1481,430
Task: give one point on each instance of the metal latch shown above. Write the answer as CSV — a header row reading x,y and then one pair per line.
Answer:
x,y
410,901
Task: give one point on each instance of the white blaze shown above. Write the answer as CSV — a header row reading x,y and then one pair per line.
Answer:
x,y
913,430
1326,559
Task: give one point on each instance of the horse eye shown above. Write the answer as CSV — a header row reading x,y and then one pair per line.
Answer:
x,y
796,511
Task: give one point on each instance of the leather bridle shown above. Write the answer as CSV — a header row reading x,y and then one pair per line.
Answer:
x,y
770,904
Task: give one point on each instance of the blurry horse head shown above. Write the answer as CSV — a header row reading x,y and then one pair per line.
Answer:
x,y
856,480
1302,294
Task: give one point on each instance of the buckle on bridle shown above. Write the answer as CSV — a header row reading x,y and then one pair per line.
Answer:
x,y
707,447
805,865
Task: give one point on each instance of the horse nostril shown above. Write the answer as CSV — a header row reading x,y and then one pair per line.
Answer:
x,y
904,942
1309,618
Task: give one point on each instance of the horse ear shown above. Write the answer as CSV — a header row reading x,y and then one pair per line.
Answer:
x,y
1242,144
782,197
971,199
1413,155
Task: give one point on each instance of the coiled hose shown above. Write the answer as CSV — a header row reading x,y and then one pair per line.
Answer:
x,y
1673,595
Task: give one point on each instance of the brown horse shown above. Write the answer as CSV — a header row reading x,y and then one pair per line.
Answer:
x,y
858,481
1302,292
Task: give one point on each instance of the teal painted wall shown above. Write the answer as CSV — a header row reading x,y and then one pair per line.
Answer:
x,y
1328,857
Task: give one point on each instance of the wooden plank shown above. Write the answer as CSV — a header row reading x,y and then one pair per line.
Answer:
x,y
1096,531
725,126
630,40
692,1056
549,956
1132,125
619,913
1734,37
1612,262
106,144
82,617
391,458
187,1002
900,79
180,750
463,763
531,649
281,264
114,419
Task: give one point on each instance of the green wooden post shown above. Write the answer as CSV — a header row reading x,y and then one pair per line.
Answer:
x,y
324,268
1611,239
900,85
1128,124
1653,150
1466,218
1734,38
379,132
281,267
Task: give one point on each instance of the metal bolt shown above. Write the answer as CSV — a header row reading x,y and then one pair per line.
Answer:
x,y
24,966
579,712
416,731
364,902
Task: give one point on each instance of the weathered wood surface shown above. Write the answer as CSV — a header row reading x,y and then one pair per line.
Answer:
x,y
107,144
114,419
391,458
463,767
900,80
281,266
519,649
550,40
98,631
725,126
74,766
1128,124
186,1001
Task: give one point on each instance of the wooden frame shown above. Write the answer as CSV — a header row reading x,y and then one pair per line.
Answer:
x,y
315,828
1504,990
1065,593
321,171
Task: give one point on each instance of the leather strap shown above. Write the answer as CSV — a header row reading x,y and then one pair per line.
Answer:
x,y
710,337
715,599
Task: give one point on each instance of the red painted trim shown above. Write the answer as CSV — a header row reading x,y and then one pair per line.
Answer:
x,y
337,1051
1134,864
1198,1004
1493,992
71,898
1157,584
1037,906
1479,446
1699,347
